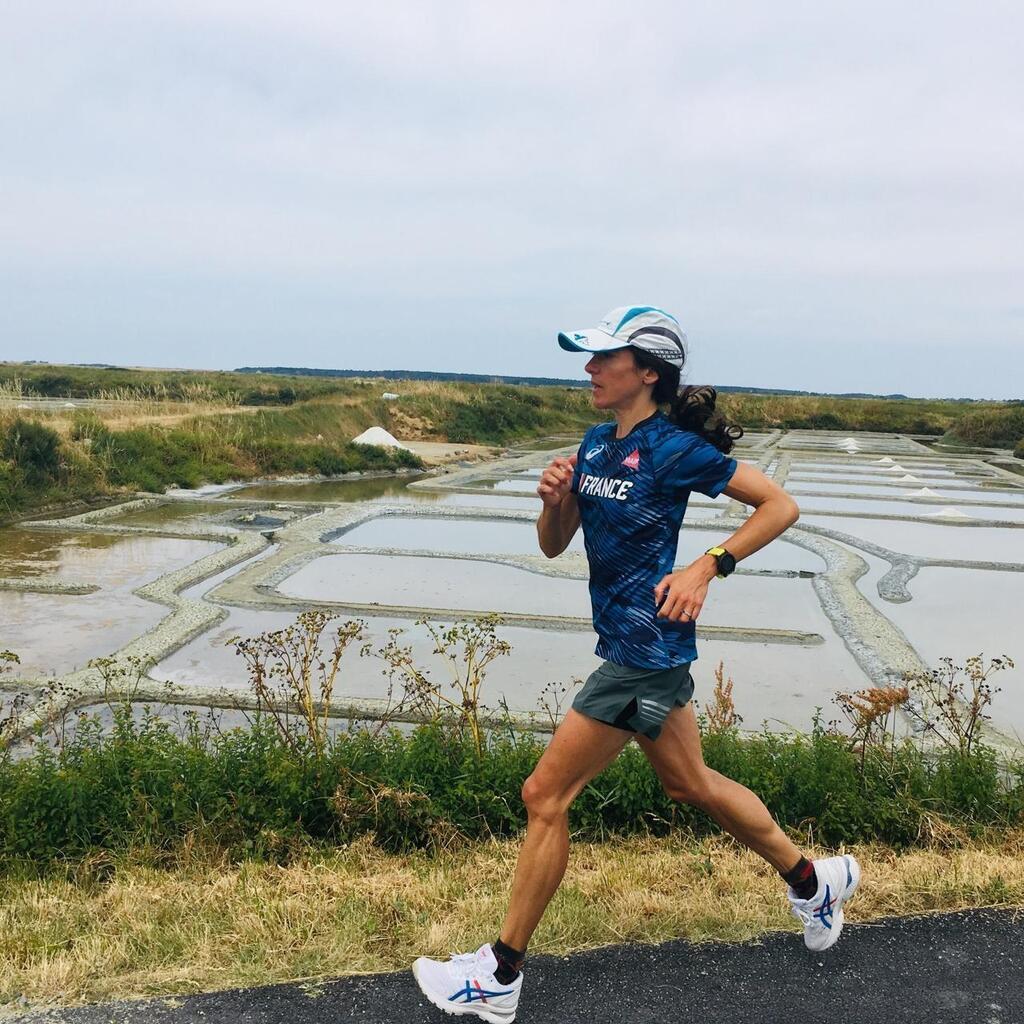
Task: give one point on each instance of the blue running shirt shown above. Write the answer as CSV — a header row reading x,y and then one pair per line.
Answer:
x,y
632,494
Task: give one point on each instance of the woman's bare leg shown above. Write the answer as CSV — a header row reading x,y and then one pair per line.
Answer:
x,y
677,758
580,749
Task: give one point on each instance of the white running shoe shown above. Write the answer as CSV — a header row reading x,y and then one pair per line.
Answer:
x,y
465,985
822,915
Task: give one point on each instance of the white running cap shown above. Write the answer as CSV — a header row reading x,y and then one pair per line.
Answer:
x,y
644,327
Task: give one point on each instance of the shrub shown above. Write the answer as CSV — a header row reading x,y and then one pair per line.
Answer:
x,y
291,779
495,416
990,427
33,449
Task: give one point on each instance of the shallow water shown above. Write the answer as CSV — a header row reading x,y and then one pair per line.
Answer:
x,y
29,553
57,633
780,685
467,536
538,658
392,488
411,581
958,613
171,513
906,508
933,540
783,684
797,486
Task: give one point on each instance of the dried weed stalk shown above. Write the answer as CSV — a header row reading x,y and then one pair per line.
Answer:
x,y
292,674
466,648
951,702
721,714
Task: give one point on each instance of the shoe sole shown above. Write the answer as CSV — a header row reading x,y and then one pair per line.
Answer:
x,y
839,918
462,1011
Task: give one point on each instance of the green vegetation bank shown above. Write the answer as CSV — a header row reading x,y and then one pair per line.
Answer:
x,y
158,428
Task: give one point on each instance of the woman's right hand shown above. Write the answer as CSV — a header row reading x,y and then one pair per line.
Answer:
x,y
556,481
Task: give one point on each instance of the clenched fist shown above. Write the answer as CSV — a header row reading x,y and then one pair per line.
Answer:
x,y
556,481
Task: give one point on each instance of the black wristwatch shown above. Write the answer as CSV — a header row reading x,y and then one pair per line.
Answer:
x,y
726,563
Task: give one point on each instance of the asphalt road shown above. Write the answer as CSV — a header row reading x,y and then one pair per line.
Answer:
x,y
958,968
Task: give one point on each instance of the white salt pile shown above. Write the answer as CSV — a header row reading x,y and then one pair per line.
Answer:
x,y
885,459
379,436
949,513
925,492
908,479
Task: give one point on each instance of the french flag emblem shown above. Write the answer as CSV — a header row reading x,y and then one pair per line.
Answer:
x,y
632,461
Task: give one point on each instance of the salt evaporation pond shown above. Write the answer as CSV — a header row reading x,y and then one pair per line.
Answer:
x,y
907,508
538,657
489,536
781,683
376,488
57,633
931,540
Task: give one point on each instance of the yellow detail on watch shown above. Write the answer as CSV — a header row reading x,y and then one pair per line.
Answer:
x,y
716,552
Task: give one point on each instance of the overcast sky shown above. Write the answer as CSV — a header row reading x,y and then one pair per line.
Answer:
x,y
829,196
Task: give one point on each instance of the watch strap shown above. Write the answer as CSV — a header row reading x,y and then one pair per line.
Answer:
x,y
717,552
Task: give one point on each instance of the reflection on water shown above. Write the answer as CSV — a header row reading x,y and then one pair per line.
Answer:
x,y
57,633
392,488
172,513
30,553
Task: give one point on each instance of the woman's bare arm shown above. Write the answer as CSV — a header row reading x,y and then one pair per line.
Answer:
x,y
682,594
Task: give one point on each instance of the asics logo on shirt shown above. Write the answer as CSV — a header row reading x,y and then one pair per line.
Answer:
x,y
596,450
605,487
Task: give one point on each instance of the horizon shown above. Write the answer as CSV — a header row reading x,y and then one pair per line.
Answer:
x,y
824,207
341,373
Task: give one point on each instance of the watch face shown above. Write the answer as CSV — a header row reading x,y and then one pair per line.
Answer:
x,y
726,563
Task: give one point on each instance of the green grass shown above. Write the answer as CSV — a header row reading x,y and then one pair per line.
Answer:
x,y
251,793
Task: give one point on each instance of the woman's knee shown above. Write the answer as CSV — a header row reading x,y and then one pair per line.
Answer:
x,y
542,800
696,789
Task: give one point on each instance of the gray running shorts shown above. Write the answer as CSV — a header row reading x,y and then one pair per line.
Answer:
x,y
634,699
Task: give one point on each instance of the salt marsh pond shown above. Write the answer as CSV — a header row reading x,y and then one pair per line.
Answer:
x,y
902,555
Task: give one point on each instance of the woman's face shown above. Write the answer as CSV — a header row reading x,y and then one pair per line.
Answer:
x,y
616,381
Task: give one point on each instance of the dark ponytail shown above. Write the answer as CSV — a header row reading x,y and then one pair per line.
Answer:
x,y
692,407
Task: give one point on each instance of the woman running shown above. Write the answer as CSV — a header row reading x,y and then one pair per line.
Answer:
x,y
628,486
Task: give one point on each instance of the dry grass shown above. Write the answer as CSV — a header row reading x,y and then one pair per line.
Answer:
x,y
206,926
124,417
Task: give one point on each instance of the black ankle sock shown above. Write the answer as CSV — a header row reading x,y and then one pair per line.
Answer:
x,y
510,962
802,878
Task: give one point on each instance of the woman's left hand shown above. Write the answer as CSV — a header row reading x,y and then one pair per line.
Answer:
x,y
681,595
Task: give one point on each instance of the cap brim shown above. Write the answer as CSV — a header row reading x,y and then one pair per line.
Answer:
x,y
590,340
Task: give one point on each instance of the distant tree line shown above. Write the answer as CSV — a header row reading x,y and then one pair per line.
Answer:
x,y
493,378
